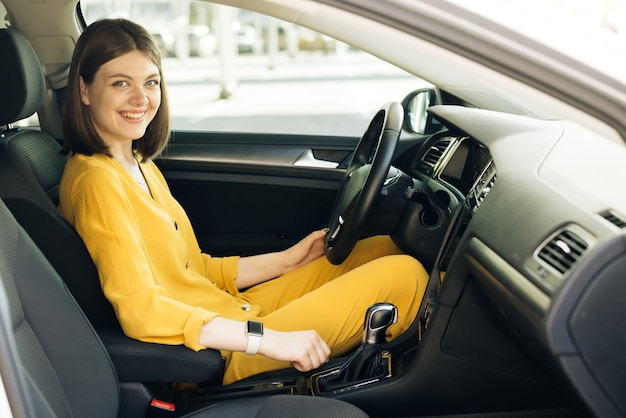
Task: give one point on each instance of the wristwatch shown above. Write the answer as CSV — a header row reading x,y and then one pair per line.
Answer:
x,y
254,329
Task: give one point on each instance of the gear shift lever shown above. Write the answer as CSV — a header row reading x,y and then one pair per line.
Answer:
x,y
366,362
377,319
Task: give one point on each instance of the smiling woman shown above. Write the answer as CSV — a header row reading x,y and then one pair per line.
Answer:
x,y
500,181
163,288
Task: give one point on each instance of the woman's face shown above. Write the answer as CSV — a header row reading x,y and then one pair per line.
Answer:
x,y
123,97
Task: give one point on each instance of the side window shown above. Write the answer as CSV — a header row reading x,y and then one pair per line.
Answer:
x,y
5,22
233,70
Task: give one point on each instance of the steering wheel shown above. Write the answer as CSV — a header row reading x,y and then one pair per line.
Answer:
x,y
363,182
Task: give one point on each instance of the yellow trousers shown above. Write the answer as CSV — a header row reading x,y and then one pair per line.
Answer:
x,y
332,300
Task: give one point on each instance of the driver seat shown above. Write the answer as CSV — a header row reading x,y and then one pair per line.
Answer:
x,y
54,365
30,172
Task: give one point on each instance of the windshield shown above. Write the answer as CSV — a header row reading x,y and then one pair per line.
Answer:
x,y
590,31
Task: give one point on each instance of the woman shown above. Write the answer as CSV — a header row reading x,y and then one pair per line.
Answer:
x,y
162,287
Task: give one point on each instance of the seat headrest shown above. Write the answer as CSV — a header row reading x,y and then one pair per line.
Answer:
x,y
22,84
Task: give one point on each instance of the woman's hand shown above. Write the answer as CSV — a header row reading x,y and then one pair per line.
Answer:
x,y
305,251
259,268
305,350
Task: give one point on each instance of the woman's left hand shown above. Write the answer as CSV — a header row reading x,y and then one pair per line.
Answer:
x,y
259,268
306,250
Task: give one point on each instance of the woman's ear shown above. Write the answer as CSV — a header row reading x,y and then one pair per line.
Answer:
x,y
83,91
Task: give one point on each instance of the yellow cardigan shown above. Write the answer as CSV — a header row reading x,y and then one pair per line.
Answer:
x,y
151,268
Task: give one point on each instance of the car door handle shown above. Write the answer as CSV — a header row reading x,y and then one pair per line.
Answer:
x,y
307,159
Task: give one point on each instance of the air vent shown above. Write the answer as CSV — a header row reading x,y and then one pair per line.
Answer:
x,y
434,153
563,251
482,187
614,218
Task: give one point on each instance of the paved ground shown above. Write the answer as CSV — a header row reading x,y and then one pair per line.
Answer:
x,y
313,93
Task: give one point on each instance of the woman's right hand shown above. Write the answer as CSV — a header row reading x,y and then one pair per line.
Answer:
x,y
305,350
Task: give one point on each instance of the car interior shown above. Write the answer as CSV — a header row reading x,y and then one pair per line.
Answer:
x,y
518,221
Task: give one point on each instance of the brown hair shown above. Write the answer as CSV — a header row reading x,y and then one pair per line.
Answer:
x,y
101,42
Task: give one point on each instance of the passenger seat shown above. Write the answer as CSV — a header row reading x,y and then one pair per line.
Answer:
x,y
30,172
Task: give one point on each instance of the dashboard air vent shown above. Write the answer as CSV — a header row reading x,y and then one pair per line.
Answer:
x,y
482,187
563,250
434,153
614,218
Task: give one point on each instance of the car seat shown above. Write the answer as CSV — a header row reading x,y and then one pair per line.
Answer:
x,y
53,364
30,172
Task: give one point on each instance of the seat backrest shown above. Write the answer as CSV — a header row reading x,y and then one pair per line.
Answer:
x,y
30,171
65,371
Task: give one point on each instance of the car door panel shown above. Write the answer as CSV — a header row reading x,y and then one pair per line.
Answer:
x,y
246,194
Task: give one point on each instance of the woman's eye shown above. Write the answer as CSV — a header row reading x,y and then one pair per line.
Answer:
x,y
120,83
153,83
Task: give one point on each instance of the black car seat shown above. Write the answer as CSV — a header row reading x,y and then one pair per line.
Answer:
x,y
58,367
30,172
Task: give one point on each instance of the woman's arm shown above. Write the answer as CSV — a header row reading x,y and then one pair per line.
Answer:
x,y
306,350
260,268
99,204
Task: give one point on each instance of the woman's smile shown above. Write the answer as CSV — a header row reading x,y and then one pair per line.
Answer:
x,y
132,115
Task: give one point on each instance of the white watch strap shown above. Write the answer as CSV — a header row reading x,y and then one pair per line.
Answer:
x,y
254,341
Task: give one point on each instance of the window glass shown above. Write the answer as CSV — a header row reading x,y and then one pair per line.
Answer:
x,y
590,31
32,121
234,70
5,18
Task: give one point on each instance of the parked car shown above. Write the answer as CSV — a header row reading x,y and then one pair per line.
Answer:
x,y
505,181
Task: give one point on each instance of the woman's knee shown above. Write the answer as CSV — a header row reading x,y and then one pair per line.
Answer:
x,y
404,268
400,279
409,279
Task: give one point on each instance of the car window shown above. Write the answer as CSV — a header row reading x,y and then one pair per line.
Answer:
x,y
590,31
4,22
273,77
32,121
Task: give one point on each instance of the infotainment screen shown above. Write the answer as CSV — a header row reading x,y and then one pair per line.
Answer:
x,y
465,165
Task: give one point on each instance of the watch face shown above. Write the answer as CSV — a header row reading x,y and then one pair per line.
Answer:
x,y
255,327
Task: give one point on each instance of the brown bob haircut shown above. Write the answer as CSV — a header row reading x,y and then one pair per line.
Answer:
x,y
101,42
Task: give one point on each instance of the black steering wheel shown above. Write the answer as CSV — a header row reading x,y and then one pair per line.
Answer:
x,y
363,182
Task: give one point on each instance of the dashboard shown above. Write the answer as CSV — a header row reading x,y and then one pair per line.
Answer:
x,y
543,235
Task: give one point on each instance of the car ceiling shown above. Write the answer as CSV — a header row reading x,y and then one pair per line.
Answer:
x,y
480,62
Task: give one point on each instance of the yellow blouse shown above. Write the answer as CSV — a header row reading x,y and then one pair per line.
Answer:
x,y
151,268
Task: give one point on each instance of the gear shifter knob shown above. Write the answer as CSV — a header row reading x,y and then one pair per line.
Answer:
x,y
377,319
